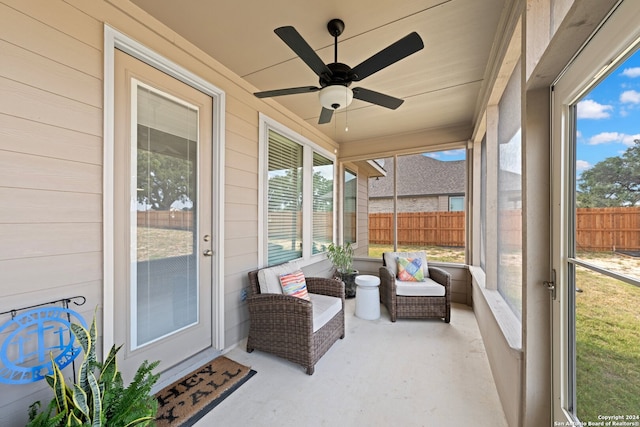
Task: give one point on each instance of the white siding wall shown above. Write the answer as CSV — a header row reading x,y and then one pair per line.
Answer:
x,y
50,168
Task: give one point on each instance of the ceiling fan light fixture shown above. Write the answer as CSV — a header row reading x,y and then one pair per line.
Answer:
x,y
335,97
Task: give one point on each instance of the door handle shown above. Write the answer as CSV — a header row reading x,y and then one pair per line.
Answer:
x,y
207,252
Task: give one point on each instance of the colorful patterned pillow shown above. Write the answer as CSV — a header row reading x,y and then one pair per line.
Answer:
x,y
410,269
295,285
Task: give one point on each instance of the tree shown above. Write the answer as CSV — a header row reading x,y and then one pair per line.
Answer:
x,y
285,190
322,193
163,180
615,181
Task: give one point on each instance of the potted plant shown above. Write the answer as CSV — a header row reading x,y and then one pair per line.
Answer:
x,y
99,398
341,256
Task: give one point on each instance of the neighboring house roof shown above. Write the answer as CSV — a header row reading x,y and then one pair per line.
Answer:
x,y
420,176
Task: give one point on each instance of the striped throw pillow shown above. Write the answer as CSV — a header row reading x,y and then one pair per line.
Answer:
x,y
295,285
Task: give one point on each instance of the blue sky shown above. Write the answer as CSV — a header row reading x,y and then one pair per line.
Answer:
x,y
609,115
447,156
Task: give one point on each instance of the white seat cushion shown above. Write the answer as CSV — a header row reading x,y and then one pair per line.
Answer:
x,y
428,288
324,308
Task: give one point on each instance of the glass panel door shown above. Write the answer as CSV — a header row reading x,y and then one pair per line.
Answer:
x,y
595,323
164,231
163,216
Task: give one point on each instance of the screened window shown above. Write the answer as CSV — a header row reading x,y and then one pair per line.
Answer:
x,y
413,214
322,203
510,195
350,206
285,199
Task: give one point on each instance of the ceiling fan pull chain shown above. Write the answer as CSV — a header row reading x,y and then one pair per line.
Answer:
x,y
346,110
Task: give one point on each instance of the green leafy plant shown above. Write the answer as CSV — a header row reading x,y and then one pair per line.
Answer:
x,y
99,397
341,256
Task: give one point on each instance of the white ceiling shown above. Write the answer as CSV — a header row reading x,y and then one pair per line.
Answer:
x,y
440,83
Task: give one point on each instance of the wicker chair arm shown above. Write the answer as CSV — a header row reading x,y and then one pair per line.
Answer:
x,y
324,286
441,276
387,279
267,305
387,285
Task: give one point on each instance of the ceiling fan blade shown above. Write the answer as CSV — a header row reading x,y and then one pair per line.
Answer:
x,y
288,91
294,40
325,116
393,53
377,98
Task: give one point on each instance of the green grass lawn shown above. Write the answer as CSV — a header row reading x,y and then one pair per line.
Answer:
x,y
607,347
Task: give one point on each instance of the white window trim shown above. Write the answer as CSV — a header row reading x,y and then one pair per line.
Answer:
x,y
113,39
265,125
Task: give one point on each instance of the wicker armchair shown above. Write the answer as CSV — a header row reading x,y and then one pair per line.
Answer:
x,y
415,306
283,324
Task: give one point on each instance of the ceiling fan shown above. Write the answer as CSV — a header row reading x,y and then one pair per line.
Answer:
x,y
335,78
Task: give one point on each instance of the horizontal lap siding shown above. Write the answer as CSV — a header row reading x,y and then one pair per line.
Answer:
x,y
50,168
240,210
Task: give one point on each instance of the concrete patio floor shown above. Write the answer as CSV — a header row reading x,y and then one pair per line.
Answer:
x,y
408,373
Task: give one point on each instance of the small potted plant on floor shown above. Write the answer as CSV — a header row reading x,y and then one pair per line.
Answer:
x,y
99,397
341,256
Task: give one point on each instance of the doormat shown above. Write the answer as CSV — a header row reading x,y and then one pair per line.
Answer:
x,y
188,399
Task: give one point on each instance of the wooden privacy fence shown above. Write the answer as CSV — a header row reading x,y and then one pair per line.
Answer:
x,y
597,229
608,229
418,228
175,220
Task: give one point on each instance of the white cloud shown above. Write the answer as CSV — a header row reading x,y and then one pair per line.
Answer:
x,y
606,138
582,165
629,140
630,97
589,109
631,72
613,137
458,152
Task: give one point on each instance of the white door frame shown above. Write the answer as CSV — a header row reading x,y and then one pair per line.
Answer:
x,y
113,39
606,49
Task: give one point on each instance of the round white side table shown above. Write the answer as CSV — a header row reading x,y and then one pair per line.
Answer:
x,y
367,297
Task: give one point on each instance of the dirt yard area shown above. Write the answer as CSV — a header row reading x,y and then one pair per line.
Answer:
x,y
619,263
